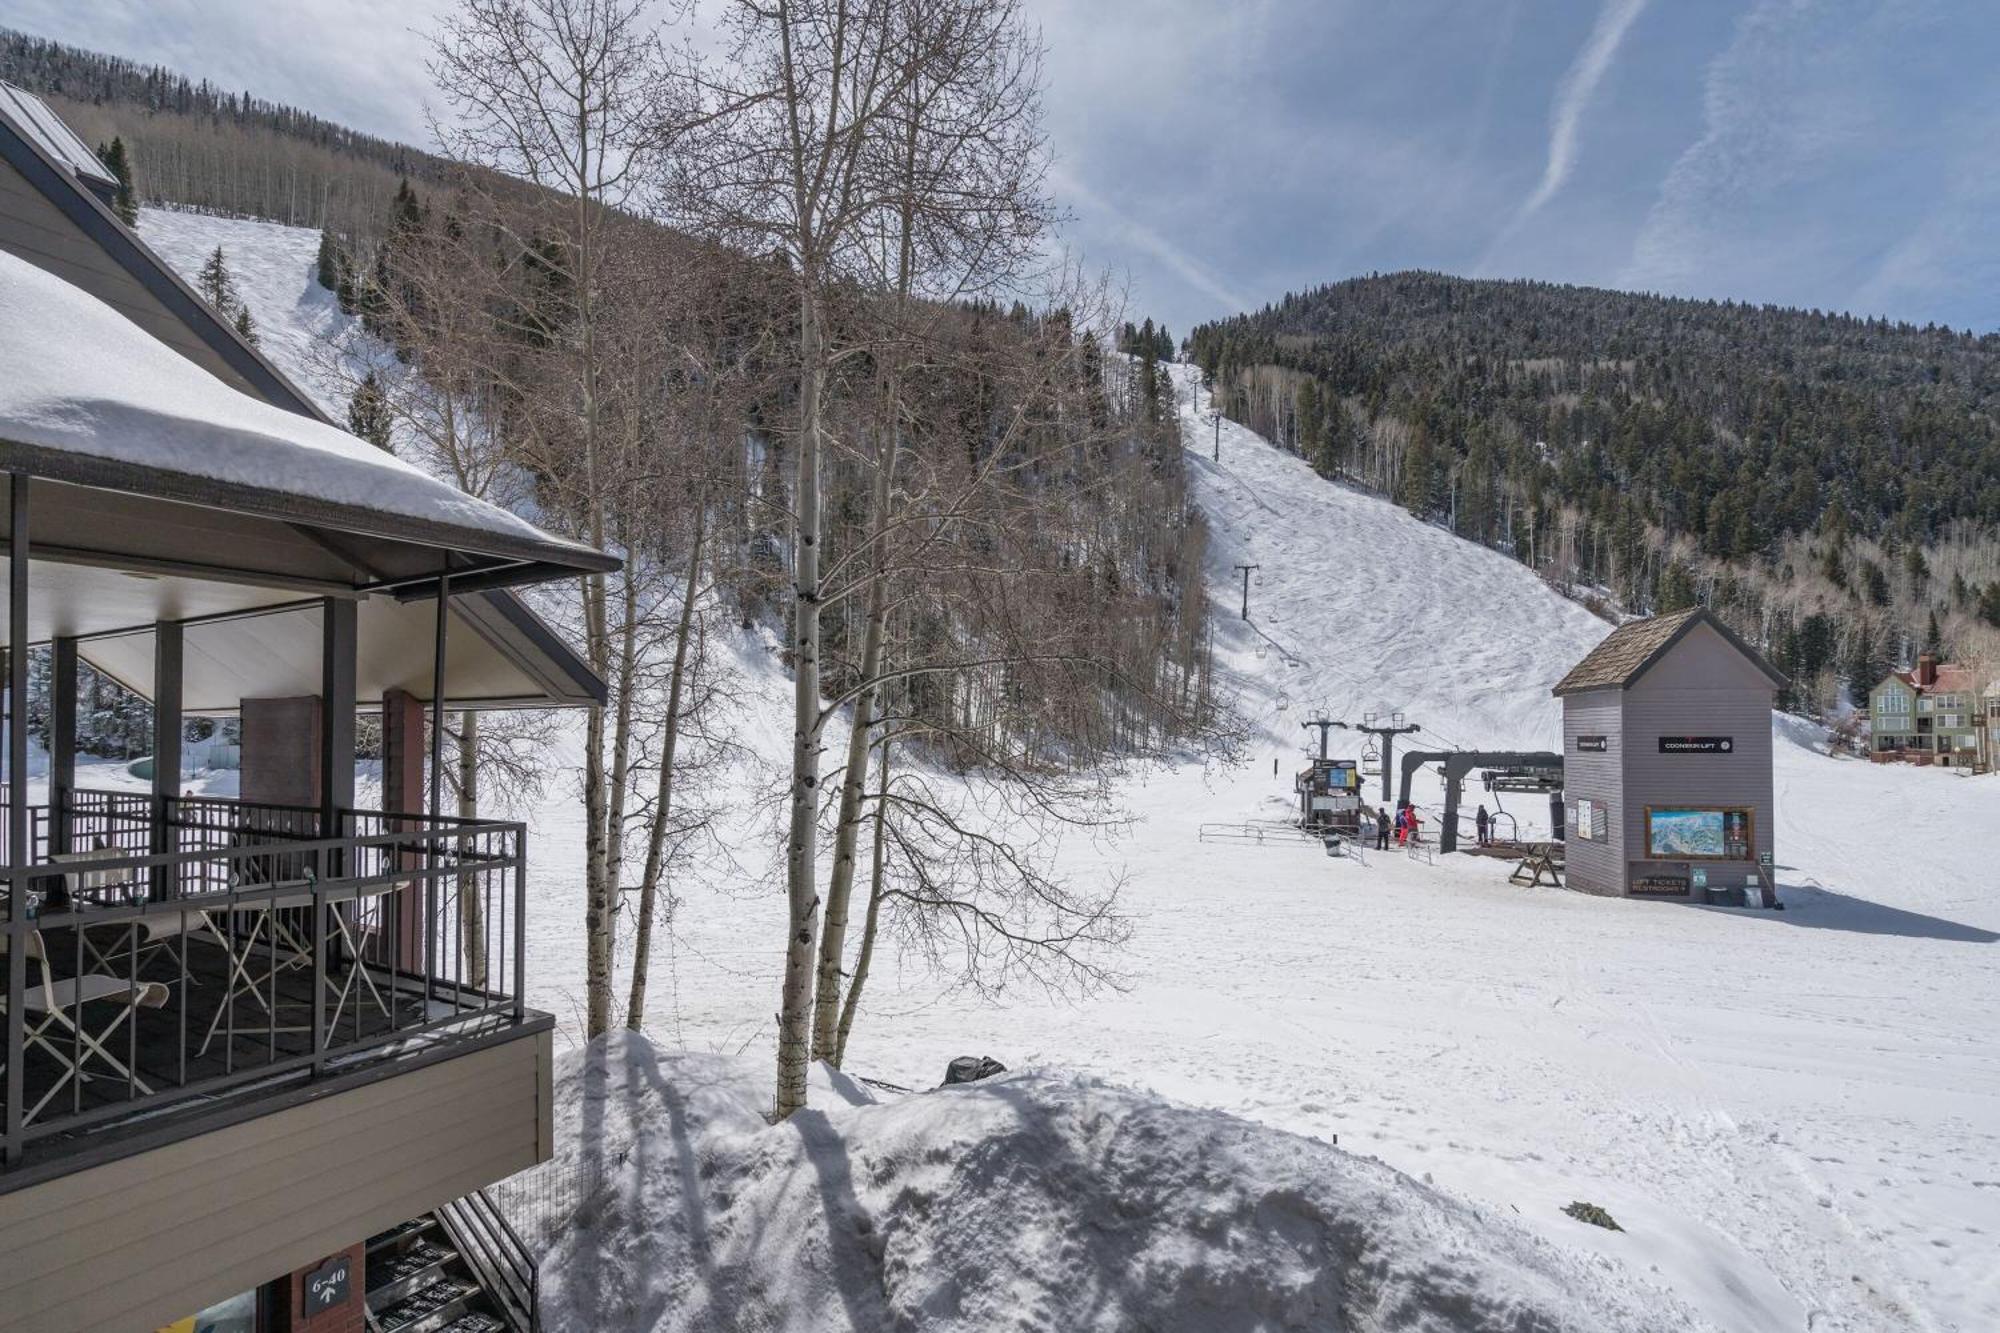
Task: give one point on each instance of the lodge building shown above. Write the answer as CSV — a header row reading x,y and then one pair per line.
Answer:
x,y
1927,715
261,1054
1667,762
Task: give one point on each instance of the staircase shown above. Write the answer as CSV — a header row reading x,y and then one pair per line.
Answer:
x,y
460,1269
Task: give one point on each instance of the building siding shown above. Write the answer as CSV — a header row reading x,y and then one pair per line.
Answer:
x,y
141,1241
1593,866
1702,687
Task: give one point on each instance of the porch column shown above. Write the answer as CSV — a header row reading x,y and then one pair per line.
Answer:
x,y
403,794
17,804
339,640
62,740
169,638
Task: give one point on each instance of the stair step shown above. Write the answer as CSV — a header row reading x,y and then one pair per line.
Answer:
x,y
429,1308
475,1321
393,1276
416,1226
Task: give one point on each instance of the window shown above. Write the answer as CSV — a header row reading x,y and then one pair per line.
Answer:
x,y
1950,721
1892,701
1923,705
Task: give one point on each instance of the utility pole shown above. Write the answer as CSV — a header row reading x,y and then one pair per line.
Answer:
x,y
1215,419
1387,735
1246,591
1325,725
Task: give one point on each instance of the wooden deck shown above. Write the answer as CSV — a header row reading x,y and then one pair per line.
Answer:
x,y
172,1045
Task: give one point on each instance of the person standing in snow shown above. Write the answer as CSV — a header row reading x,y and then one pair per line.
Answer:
x,y
1484,823
1414,824
1402,824
1381,830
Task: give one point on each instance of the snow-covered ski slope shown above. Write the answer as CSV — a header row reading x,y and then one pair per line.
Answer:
x,y
299,325
1795,1116
1356,607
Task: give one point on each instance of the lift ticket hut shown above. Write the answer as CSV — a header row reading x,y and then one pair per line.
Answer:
x,y
1667,759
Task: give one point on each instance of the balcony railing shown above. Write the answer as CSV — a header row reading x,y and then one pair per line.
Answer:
x,y
161,955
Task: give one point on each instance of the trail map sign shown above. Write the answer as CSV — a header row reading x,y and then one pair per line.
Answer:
x,y
1697,744
1698,834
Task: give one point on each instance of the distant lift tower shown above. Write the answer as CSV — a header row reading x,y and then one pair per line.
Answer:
x,y
1387,735
1325,724
1245,570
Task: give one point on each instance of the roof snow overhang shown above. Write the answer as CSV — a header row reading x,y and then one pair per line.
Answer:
x,y
36,143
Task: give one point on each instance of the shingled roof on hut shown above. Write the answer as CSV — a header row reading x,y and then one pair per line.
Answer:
x,y
1629,650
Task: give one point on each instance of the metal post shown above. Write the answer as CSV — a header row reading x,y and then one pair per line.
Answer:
x,y
1325,725
1245,569
1215,417
169,639
437,776
338,645
1387,736
62,739
17,807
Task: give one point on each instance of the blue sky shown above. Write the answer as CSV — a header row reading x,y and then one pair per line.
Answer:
x,y
1841,154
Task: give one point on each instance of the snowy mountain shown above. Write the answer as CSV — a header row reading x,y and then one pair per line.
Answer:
x,y
1795,1117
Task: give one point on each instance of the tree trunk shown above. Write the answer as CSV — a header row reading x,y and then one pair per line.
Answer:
x,y
868,924
854,777
471,907
801,863
649,884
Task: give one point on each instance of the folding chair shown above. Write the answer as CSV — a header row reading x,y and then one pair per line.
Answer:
x,y
60,1005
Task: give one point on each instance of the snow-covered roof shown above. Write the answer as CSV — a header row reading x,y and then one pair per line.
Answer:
x,y
34,118
88,396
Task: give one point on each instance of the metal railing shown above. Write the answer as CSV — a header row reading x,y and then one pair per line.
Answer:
x,y
193,947
495,1252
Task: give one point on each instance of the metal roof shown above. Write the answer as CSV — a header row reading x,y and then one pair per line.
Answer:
x,y
34,118
1629,651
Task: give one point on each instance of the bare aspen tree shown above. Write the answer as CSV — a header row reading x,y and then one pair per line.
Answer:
x,y
559,93
963,204
792,151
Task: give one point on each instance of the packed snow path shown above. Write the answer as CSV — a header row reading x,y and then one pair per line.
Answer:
x,y
1796,1116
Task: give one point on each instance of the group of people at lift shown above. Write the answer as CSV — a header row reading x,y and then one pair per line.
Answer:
x,y
1404,826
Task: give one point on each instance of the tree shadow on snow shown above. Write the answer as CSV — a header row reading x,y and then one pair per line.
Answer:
x,y
1817,908
854,1255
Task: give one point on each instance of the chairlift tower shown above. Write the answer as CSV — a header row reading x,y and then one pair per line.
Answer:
x,y
1387,735
1245,571
1325,724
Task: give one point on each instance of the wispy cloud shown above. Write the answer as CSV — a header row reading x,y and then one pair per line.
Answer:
x,y
1573,94
1116,221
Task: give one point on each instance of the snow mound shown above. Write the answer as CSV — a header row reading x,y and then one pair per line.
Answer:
x,y
1036,1200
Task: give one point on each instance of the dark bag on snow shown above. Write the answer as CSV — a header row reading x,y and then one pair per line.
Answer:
x,y
972,1068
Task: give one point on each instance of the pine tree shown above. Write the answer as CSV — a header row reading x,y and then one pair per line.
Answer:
x,y
124,202
368,413
1934,638
1865,666
244,328
1677,591
215,285
327,268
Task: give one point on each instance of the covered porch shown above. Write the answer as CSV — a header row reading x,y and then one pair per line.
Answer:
x,y
172,957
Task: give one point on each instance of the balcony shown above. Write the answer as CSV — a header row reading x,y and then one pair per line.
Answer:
x,y
196,956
